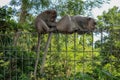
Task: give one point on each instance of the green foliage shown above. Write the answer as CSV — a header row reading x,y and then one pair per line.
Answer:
x,y
78,7
110,19
16,62
110,49
5,16
24,77
70,57
31,4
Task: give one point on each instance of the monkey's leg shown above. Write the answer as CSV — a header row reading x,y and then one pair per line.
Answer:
x,y
37,53
45,53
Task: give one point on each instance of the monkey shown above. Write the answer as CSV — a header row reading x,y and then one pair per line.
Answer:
x,y
84,24
66,25
45,22
70,24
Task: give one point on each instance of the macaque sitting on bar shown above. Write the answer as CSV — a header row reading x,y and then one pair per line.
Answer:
x,y
70,24
45,21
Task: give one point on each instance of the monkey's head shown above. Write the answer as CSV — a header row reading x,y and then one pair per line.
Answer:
x,y
91,24
52,15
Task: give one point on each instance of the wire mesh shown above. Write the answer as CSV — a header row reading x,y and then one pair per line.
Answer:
x,y
93,56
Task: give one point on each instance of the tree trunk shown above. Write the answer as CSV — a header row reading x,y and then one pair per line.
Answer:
x,y
23,13
22,20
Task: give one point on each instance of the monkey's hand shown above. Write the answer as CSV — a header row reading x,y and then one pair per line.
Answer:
x,y
51,24
53,29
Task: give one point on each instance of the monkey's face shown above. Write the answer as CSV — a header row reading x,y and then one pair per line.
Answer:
x,y
91,24
88,25
52,14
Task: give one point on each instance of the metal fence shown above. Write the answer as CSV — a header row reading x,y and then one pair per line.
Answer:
x,y
93,56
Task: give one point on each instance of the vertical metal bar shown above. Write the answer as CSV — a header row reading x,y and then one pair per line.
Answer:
x,y
83,55
111,48
28,41
66,52
9,58
45,53
92,48
16,64
101,48
50,56
74,55
22,62
10,63
4,60
101,39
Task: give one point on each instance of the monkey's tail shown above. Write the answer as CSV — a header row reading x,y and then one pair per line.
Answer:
x,y
37,55
45,53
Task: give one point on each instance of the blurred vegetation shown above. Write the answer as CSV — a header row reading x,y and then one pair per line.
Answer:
x,y
70,57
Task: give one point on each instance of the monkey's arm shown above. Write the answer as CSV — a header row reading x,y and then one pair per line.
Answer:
x,y
41,26
51,24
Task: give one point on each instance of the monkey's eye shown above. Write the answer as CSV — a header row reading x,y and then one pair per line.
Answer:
x,y
95,23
